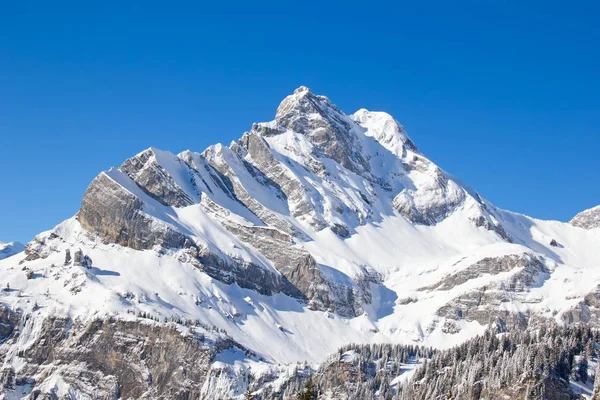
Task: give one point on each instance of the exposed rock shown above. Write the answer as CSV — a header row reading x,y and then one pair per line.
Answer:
x,y
325,126
9,320
150,175
487,223
116,216
483,304
294,192
111,359
588,219
222,159
529,266
81,260
34,250
229,270
67,257
341,230
433,202
586,311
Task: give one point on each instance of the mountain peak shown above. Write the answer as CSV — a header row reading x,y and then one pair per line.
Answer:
x,y
325,126
10,249
302,102
301,90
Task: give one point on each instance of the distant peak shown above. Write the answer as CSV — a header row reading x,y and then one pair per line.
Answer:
x,y
301,90
10,249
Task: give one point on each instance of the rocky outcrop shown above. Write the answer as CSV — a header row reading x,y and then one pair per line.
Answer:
x,y
588,219
586,311
527,265
433,201
484,303
295,193
486,222
223,160
8,322
115,215
81,260
230,270
155,180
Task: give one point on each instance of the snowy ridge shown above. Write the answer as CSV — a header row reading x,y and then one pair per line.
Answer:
x,y
314,225
10,249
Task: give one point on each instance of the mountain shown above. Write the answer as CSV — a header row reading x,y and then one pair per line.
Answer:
x,y
205,274
10,249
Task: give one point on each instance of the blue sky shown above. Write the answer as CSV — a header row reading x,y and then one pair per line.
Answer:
x,y
502,94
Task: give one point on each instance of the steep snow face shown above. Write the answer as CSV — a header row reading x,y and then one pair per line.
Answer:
x,y
588,219
10,249
385,129
311,231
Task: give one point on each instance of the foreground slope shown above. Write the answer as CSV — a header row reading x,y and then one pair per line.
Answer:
x,y
312,231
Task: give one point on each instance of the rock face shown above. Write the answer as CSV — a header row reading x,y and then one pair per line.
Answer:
x,y
588,219
108,359
115,215
324,125
147,172
587,311
520,272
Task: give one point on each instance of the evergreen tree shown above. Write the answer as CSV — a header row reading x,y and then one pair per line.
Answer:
x,y
385,390
309,392
582,369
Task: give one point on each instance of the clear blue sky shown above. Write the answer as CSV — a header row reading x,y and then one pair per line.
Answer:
x,y
504,95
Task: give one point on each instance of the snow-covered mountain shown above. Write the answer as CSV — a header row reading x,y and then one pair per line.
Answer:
x,y
312,231
10,249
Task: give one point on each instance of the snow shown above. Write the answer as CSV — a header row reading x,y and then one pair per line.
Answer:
x,y
10,249
585,389
164,286
407,371
383,128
